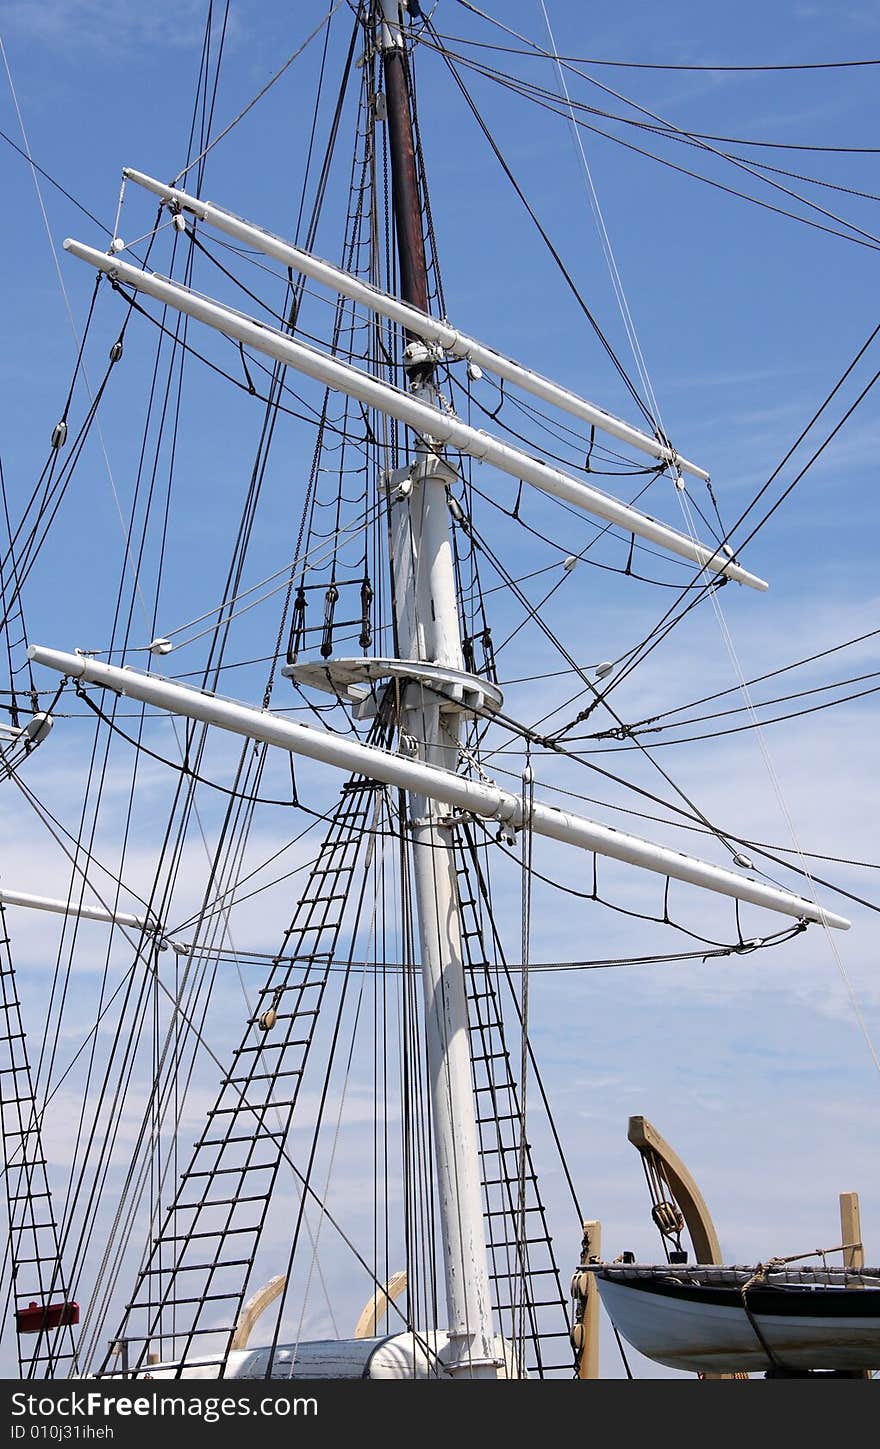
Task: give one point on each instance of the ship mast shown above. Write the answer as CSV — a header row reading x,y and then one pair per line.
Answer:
x,y
434,691
428,630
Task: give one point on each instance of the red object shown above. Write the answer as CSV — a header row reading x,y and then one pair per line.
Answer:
x,y
36,1319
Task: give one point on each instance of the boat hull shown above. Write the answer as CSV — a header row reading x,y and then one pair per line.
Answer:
x,y
706,1330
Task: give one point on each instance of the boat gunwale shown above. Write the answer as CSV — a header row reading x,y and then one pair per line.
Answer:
x,y
811,1291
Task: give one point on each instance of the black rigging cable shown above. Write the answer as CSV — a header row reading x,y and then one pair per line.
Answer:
x,y
545,237
651,728
538,51
57,184
535,616
761,678
124,1075
666,131
731,730
704,67
671,618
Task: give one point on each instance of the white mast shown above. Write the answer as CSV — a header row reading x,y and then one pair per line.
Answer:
x,y
428,629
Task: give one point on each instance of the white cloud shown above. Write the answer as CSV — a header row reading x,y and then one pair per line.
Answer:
x,y
87,24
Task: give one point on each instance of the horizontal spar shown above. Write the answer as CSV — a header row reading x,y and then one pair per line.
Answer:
x,y
474,797
425,420
429,329
70,908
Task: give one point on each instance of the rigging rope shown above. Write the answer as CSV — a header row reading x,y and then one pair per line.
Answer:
x,y
670,127
667,131
554,253
604,238
660,65
259,96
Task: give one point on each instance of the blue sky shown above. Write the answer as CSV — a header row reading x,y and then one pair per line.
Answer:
x,y
754,1068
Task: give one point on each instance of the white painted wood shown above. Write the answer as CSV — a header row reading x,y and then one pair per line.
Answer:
x,y
71,908
697,1337
441,427
422,1355
441,333
390,34
475,797
428,629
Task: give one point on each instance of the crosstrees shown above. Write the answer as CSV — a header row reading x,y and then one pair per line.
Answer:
x,y
33,1253
188,1287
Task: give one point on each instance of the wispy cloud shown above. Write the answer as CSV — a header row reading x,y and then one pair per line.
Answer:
x,y
87,24
855,17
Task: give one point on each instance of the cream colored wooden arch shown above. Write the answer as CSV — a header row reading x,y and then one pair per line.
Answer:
x,y
375,1310
698,1220
256,1305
